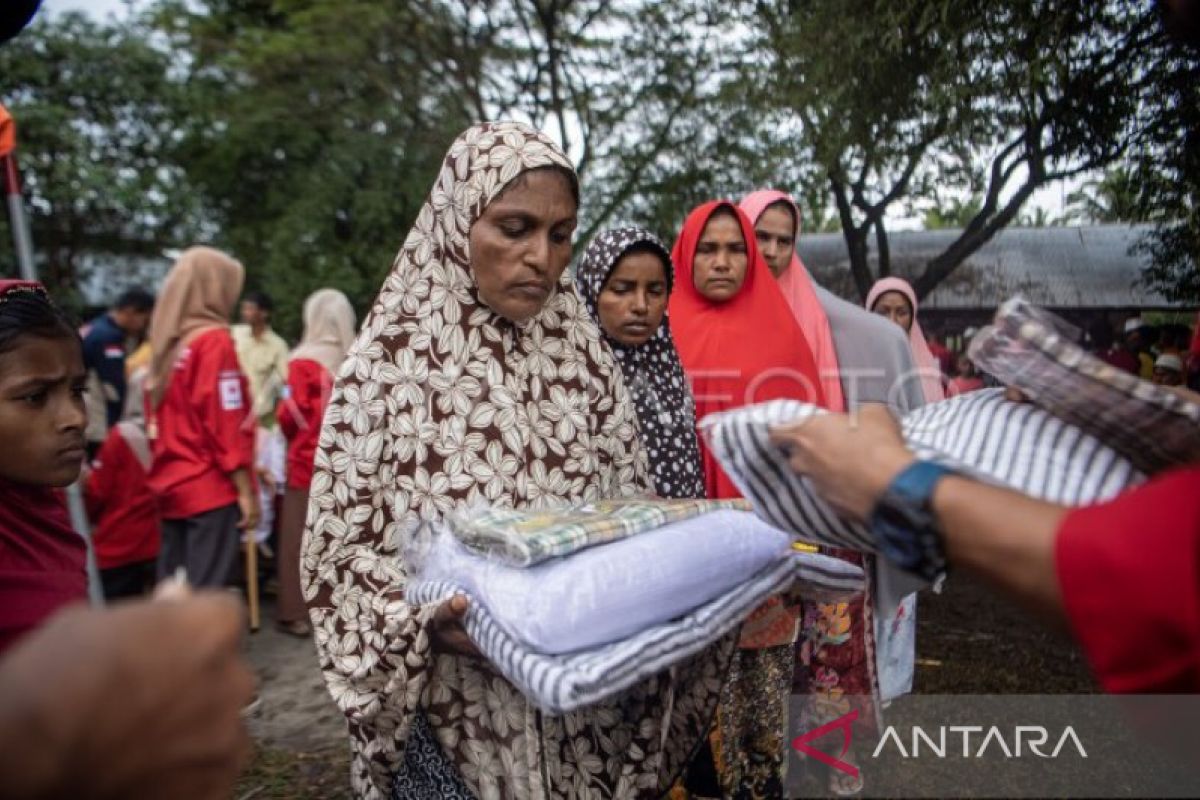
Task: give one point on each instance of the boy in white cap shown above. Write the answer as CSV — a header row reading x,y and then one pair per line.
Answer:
x,y
1168,370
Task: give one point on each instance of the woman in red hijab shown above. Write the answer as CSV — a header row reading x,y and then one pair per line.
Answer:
x,y
740,344
736,336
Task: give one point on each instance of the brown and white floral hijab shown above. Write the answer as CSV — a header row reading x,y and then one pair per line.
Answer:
x,y
442,404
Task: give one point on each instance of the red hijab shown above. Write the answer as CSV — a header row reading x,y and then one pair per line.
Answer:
x,y
42,558
745,350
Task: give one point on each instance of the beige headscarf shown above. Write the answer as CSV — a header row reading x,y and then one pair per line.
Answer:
x,y
198,295
442,404
328,329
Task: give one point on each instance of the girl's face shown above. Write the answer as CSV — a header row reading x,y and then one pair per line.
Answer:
x,y
41,412
634,299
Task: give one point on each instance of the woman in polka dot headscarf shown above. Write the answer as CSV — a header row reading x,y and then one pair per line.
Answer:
x,y
625,279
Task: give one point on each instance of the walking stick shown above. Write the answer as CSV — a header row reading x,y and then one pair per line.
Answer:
x,y
24,247
252,579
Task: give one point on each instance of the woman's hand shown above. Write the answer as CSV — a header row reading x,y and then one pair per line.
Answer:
x,y
447,632
247,500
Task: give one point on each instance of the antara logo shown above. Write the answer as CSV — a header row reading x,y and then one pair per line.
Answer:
x,y
1032,737
845,722
1025,740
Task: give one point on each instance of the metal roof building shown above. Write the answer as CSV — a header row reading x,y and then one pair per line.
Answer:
x,y
1088,267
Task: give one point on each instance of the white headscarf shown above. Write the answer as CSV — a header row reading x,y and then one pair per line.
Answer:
x,y
328,329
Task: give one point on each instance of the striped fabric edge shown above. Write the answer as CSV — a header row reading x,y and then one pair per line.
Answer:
x,y
561,684
741,441
1019,446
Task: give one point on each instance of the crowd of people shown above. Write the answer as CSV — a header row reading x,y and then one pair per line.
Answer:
x,y
486,373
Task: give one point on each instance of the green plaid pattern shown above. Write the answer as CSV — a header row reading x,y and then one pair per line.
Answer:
x,y
527,537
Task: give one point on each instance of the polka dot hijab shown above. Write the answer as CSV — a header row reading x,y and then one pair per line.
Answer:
x,y
652,371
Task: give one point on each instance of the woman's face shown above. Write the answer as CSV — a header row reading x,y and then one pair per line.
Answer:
x,y
521,243
895,307
776,234
634,299
41,411
719,267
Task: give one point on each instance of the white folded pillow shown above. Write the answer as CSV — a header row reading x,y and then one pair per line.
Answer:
x,y
607,593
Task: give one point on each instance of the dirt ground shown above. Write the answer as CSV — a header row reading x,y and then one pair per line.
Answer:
x,y
968,641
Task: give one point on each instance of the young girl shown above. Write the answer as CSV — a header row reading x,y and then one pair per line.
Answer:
x,y
199,420
42,421
328,333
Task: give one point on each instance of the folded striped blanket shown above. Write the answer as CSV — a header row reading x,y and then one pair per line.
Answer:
x,y
563,683
1017,445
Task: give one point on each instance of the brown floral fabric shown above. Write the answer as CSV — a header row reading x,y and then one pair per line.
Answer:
x,y
442,404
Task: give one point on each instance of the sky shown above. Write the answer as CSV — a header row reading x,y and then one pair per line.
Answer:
x,y
97,8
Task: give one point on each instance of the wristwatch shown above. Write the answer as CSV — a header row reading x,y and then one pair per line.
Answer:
x,y
903,521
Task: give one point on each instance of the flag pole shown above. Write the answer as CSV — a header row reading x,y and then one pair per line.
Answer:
x,y
23,244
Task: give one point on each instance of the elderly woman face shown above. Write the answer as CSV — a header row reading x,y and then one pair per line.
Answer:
x,y
521,243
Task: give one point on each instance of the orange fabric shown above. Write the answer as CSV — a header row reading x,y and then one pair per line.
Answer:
x,y
8,132
797,287
745,350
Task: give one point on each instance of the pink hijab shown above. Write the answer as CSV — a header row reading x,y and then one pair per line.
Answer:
x,y
797,287
927,365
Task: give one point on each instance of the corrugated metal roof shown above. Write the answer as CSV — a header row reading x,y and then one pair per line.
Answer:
x,y
1058,267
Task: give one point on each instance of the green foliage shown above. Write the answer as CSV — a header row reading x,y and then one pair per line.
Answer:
x,y
958,213
1116,197
97,117
316,129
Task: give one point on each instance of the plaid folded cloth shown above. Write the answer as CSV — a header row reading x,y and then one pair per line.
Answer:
x,y
523,538
1034,351
564,683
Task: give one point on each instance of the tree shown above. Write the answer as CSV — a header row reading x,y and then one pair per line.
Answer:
x,y
315,129
1110,199
957,213
1168,169
318,125
999,99
96,111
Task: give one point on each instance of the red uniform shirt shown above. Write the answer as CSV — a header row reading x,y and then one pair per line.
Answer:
x,y
1130,576
42,559
123,510
204,429
300,414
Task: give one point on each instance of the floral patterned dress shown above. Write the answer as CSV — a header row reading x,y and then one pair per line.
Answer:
x,y
443,404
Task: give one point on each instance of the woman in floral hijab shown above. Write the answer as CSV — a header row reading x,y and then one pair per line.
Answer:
x,y
477,378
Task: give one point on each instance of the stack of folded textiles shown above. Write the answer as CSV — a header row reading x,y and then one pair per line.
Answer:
x,y
575,605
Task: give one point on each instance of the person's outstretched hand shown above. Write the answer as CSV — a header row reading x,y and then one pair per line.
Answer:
x,y
850,458
140,701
